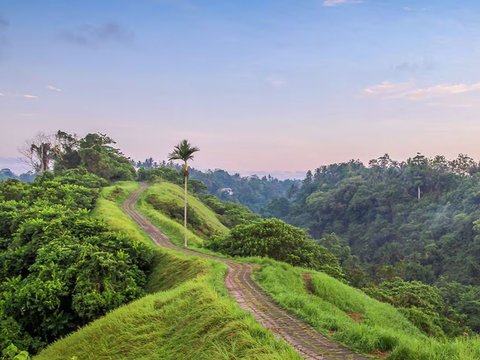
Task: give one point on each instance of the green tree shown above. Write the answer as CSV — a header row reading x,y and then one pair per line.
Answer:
x,y
184,151
99,157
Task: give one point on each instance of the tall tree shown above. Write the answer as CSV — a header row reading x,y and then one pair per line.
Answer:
x,y
184,151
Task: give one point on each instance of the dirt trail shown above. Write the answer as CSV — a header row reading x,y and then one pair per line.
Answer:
x,y
308,342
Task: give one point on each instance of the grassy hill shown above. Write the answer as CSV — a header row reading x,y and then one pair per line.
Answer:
x,y
153,204
189,293
186,315
351,317
335,309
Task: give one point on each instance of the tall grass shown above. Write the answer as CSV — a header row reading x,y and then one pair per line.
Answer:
x,y
351,317
188,321
172,193
169,192
187,315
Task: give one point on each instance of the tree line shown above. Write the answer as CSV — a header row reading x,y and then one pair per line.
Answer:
x,y
417,220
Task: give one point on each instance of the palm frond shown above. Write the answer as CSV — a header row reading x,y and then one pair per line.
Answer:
x,y
183,151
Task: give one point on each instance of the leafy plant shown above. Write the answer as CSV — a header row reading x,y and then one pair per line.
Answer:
x,y
278,240
60,267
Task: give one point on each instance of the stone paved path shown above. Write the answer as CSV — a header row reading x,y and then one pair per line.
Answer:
x,y
308,342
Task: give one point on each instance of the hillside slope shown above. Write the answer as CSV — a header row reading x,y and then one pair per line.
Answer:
x,y
192,292
186,316
163,200
349,316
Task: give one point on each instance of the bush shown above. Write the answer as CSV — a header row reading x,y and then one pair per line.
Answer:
x,y
278,240
230,213
422,304
60,267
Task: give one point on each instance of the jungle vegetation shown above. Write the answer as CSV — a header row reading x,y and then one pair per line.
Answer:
x,y
399,227
405,233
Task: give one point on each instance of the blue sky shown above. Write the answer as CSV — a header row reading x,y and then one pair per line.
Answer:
x,y
277,85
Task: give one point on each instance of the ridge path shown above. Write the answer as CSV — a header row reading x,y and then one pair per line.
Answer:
x,y
307,341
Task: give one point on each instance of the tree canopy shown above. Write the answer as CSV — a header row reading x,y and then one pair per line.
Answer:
x,y
418,219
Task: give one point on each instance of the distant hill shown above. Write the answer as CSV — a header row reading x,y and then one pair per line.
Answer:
x,y
252,191
8,174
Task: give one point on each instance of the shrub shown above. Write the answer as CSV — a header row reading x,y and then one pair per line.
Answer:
x,y
278,240
60,267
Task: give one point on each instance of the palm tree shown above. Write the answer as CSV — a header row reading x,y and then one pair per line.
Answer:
x,y
184,151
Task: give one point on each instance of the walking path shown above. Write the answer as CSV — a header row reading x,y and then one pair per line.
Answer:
x,y
307,341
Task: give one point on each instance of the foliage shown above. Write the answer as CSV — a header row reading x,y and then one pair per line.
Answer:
x,y
100,158
160,173
251,191
422,304
187,313
465,299
66,151
418,219
183,151
60,268
81,177
277,240
11,352
230,213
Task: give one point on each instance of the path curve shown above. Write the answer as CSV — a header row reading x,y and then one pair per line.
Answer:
x,y
308,342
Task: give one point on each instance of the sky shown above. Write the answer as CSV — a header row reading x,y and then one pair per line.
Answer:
x,y
278,86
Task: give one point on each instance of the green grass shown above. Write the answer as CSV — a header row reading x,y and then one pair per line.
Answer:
x,y
174,193
382,328
189,320
171,228
109,208
329,306
187,315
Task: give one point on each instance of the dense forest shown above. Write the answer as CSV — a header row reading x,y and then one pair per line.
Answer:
x,y
418,220
252,191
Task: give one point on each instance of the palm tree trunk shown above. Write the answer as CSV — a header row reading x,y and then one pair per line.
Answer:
x,y
185,212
